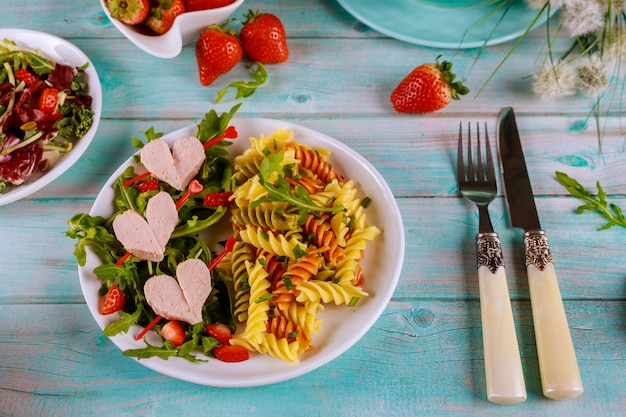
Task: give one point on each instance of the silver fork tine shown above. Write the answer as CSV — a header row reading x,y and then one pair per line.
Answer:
x,y
481,168
491,174
460,167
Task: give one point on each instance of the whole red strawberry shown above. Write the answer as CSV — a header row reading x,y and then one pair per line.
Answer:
x,y
195,5
263,38
131,12
217,52
428,88
162,14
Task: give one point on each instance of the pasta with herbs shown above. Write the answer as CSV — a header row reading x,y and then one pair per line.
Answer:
x,y
301,235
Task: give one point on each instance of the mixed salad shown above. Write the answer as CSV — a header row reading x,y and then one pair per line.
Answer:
x,y
123,276
42,104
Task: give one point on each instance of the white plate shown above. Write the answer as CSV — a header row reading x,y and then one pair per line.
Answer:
x,y
185,30
341,326
63,52
410,21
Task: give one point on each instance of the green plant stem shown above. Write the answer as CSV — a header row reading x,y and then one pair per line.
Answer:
x,y
517,43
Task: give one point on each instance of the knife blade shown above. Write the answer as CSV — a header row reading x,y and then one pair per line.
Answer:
x,y
560,376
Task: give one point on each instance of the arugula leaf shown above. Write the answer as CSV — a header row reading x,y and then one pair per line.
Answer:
x,y
164,352
246,88
208,343
123,324
149,134
213,125
610,211
92,231
195,226
280,191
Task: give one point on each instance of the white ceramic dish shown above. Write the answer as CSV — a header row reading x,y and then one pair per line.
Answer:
x,y
341,327
414,22
63,52
186,29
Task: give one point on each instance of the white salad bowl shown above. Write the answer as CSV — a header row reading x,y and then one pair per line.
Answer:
x,y
186,29
61,51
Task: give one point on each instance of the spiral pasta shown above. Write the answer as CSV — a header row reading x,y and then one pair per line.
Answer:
x,y
301,235
240,254
276,216
270,242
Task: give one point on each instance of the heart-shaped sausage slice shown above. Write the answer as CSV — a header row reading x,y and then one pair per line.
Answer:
x,y
183,299
176,167
146,238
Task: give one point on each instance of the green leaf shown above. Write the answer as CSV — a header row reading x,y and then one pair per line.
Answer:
x,y
610,211
213,125
208,344
280,191
194,226
123,324
246,88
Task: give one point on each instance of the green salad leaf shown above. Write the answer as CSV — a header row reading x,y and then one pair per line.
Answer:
x,y
598,203
280,189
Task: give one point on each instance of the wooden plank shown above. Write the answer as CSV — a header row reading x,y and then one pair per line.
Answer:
x,y
422,357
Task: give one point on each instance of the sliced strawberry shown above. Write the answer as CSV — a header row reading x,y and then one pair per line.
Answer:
x,y
48,100
195,5
220,331
114,301
25,75
173,332
150,185
131,12
218,199
228,353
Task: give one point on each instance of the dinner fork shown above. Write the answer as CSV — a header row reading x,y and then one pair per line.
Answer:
x,y
477,183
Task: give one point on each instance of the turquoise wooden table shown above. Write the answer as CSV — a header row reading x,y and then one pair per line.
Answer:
x,y
423,356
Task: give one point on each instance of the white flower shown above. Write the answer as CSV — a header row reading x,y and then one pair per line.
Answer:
x,y
582,17
555,81
592,78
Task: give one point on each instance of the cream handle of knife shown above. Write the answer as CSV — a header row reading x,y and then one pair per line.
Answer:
x,y
560,377
503,365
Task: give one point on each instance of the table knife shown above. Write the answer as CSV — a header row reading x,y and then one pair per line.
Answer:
x,y
560,376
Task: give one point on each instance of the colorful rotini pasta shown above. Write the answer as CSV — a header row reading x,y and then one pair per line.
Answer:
x,y
301,234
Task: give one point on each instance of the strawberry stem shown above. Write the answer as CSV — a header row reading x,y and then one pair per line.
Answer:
x,y
148,328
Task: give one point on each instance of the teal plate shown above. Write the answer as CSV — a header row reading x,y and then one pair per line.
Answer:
x,y
410,21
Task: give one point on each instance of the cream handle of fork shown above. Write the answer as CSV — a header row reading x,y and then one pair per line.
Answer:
x,y
560,376
503,365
